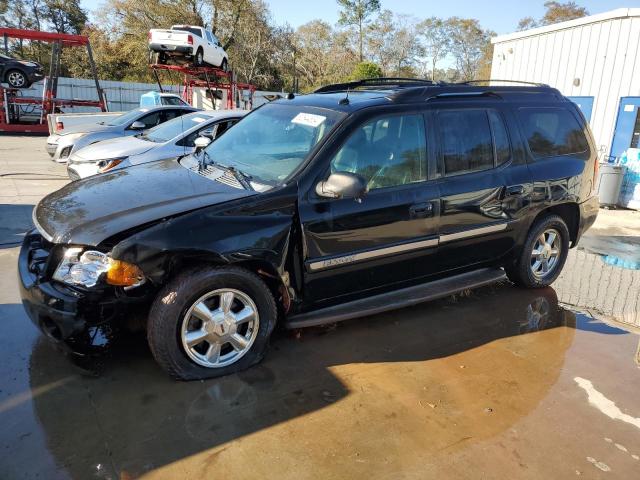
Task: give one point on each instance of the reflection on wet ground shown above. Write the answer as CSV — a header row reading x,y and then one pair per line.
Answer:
x,y
601,277
479,383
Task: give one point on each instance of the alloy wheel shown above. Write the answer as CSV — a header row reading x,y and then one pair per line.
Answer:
x,y
219,328
545,255
16,79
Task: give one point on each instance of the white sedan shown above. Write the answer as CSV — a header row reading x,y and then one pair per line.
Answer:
x,y
171,139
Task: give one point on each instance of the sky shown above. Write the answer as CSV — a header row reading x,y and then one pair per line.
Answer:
x,y
501,17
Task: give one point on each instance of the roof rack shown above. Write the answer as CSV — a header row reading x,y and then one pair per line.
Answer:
x,y
396,82
427,94
474,82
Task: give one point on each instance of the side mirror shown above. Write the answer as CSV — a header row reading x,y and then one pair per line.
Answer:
x,y
343,185
137,125
201,143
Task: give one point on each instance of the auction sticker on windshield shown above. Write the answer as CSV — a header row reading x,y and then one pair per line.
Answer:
x,y
198,119
308,119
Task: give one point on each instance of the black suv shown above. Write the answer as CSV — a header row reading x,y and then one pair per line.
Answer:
x,y
359,198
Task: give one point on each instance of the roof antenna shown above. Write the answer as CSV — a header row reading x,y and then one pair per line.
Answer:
x,y
345,100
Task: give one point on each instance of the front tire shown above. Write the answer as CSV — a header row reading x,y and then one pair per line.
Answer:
x,y
211,321
543,255
17,79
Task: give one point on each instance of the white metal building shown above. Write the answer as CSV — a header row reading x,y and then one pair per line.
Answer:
x,y
594,60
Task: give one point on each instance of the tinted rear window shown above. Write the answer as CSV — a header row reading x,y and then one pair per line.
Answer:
x,y
195,31
552,131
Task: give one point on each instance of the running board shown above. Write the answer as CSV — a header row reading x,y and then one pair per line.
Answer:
x,y
397,298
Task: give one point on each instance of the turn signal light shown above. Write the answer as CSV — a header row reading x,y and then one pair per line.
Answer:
x,y
105,166
123,274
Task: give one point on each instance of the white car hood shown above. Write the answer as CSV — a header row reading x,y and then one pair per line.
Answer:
x,y
114,148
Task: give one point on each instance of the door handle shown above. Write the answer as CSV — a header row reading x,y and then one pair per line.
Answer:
x,y
421,210
514,190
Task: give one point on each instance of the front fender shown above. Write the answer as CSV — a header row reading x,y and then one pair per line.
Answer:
x,y
246,234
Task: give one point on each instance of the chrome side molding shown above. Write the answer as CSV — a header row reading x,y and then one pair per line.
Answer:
x,y
318,265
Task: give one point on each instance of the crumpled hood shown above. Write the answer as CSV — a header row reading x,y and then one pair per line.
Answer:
x,y
89,211
114,148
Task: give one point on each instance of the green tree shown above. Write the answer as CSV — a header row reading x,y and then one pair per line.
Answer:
x,y
469,45
357,13
435,41
561,12
555,12
366,70
64,16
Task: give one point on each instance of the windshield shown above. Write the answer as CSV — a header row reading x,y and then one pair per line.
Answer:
x,y
171,129
127,117
271,142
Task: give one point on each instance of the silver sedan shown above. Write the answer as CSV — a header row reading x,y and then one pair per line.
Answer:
x,y
171,139
61,146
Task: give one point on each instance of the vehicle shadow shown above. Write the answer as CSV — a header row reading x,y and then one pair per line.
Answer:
x,y
15,221
133,417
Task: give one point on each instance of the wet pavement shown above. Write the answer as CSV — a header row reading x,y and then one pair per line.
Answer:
x,y
496,383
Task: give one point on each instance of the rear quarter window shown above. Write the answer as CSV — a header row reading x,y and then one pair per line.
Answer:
x,y
553,132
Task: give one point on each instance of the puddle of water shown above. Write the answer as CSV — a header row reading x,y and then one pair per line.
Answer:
x,y
602,276
623,252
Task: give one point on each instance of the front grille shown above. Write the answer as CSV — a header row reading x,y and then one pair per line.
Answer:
x,y
39,255
218,174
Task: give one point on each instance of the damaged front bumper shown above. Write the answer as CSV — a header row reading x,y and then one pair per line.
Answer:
x,y
82,322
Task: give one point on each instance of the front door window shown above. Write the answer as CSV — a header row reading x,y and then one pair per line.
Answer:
x,y
387,151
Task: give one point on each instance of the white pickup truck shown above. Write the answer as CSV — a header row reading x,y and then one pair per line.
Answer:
x,y
187,43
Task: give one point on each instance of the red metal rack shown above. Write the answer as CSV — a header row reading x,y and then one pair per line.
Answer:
x,y
210,78
11,100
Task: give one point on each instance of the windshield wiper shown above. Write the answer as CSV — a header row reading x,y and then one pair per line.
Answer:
x,y
240,176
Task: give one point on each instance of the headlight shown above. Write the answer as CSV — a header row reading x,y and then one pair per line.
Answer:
x,y
108,164
90,267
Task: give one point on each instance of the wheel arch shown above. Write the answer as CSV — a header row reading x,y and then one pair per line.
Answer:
x,y
174,263
570,214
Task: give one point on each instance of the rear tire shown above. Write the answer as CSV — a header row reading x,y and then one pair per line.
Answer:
x,y
224,66
543,255
198,60
240,315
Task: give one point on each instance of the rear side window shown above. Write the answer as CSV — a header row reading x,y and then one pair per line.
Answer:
x,y
466,141
552,131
